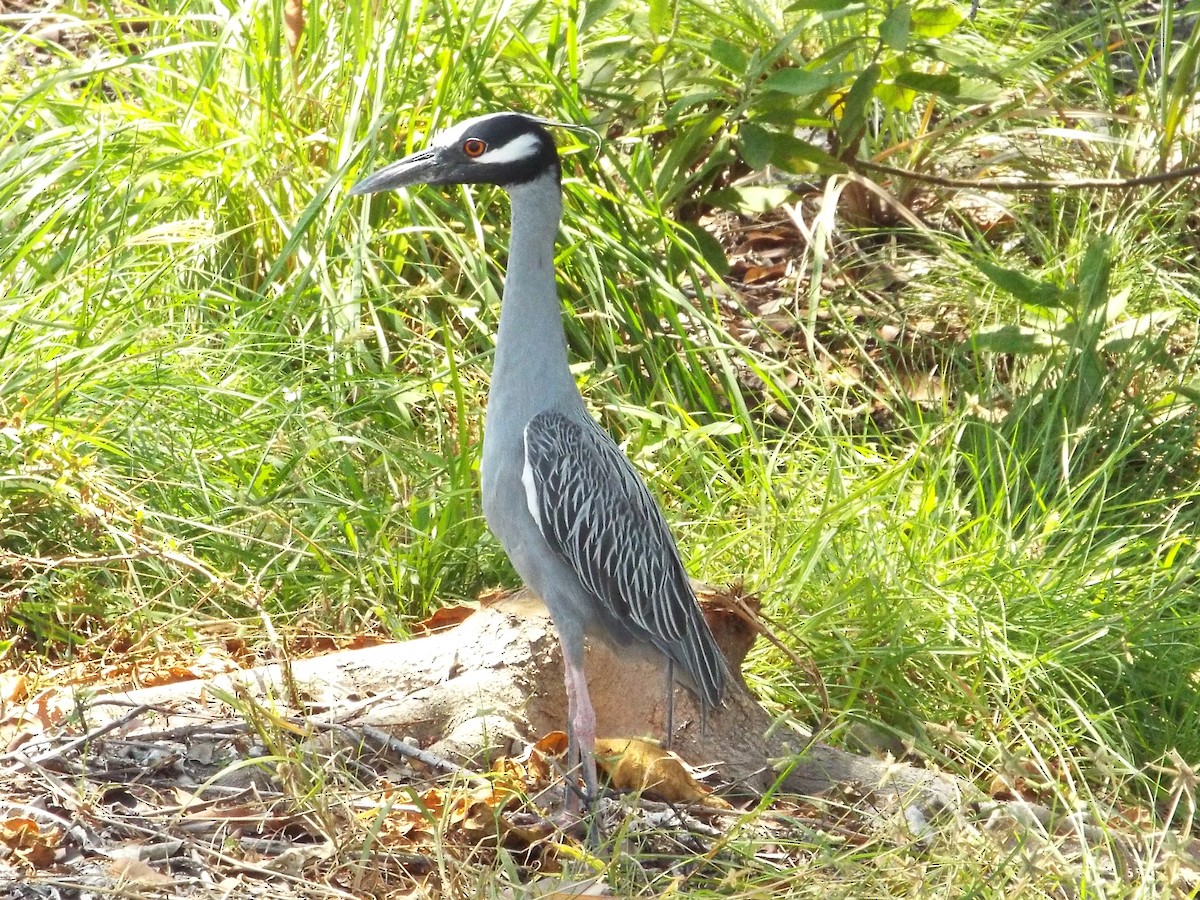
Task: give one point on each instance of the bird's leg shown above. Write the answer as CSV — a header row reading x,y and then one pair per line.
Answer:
x,y
572,755
670,704
581,732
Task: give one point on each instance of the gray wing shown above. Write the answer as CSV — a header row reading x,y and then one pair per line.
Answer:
x,y
595,512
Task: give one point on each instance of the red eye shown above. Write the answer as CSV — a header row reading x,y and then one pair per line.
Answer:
x,y
474,147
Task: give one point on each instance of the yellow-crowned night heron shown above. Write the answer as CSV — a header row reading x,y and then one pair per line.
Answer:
x,y
571,512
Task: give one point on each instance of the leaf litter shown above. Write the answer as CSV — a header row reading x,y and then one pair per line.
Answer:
x,y
267,802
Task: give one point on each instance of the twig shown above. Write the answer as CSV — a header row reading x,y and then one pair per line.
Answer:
x,y
1027,184
195,729
385,741
78,742
736,603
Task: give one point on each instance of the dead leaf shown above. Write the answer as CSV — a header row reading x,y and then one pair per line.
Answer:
x,y
51,706
362,641
634,765
134,872
404,825
922,387
507,770
26,840
434,801
764,273
552,744
13,737
525,831
530,772
1137,817
185,799
14,687
446,617
477,817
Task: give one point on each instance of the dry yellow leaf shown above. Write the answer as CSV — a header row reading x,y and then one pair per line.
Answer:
x,y
634,765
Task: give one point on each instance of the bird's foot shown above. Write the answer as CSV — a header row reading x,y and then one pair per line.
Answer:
x,y
571,809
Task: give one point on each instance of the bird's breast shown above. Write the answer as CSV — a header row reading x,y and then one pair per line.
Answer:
x,y
500,468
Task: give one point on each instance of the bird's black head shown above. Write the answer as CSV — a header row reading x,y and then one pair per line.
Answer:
x,y
505,148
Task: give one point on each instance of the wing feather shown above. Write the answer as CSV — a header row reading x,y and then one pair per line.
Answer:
x,y
595,513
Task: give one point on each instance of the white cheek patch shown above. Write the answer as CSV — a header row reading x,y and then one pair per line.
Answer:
x,y
517,149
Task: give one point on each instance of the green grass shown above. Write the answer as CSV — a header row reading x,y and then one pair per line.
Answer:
x,y
225,386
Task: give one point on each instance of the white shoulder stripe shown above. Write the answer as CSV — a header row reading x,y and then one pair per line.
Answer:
x,y
531,497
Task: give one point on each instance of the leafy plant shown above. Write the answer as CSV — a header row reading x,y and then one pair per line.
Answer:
x,y
1095,398
870,53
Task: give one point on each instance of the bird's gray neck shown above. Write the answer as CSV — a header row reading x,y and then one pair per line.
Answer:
x,y
531,367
